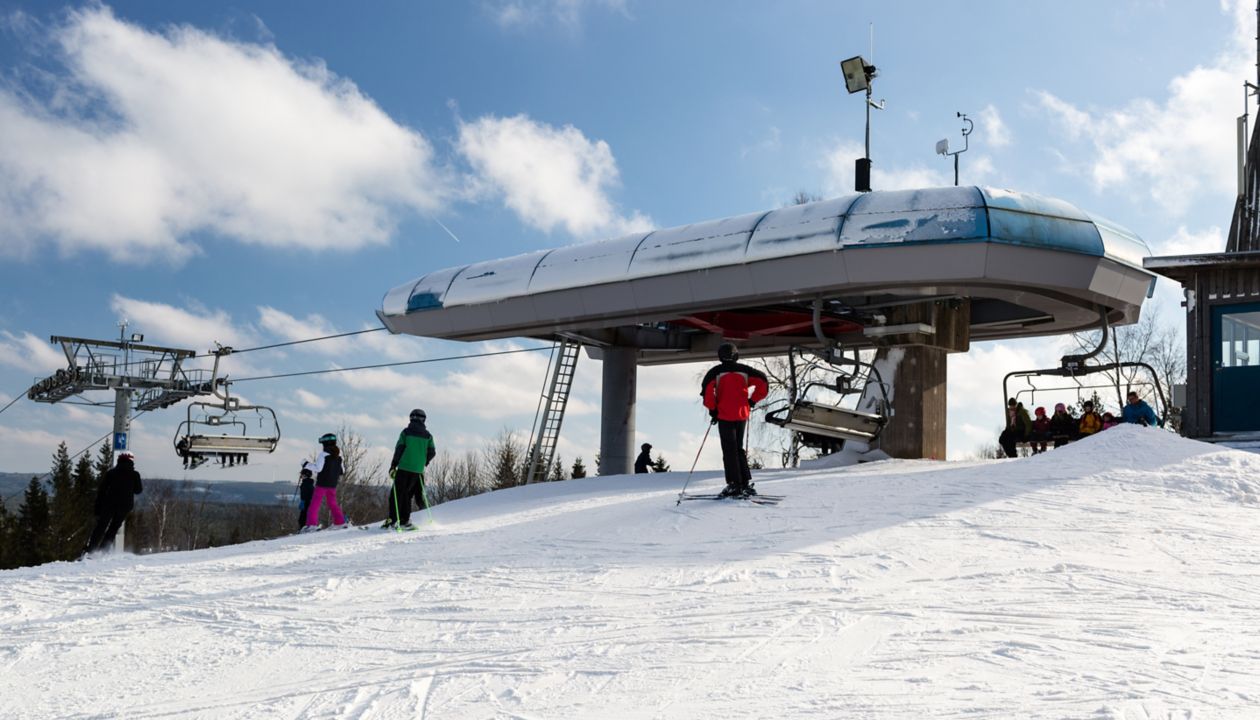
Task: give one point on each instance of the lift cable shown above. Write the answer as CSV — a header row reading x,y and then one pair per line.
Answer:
x,y
298,342
393,364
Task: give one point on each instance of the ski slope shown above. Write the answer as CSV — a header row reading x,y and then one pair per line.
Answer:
x,y
1118,577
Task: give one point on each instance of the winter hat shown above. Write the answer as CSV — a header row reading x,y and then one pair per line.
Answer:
x,y
126,456
1060,407
1041,411
645,446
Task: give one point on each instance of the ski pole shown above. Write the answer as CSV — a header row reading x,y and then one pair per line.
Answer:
x,y
397,514
693,465
424,498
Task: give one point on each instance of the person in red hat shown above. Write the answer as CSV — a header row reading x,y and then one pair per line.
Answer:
x,y
115,497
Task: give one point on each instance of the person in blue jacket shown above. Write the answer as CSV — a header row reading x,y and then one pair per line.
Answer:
x,y
1136,411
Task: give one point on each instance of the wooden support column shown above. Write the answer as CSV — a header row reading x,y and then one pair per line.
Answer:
x,y
917,427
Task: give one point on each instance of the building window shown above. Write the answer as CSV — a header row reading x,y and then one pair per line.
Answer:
x,y
1240,339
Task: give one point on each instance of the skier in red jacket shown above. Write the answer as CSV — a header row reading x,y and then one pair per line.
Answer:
x,y
726,394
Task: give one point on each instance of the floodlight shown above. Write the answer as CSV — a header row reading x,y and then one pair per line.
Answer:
x,y
942,147
856,76
137,337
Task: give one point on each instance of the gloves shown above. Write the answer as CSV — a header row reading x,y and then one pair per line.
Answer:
x,y
392,473
751,403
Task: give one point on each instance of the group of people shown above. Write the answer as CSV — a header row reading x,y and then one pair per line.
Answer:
x,y
319,478
1062,427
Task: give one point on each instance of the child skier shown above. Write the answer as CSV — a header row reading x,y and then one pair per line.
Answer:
x,y
328,470
307,491
1040,431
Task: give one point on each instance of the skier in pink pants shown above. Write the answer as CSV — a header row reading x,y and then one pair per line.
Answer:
x,y
328,470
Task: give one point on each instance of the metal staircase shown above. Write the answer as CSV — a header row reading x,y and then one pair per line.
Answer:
x,y
547,431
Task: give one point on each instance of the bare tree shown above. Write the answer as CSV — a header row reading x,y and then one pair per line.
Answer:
x,y
364,485
450,478
1147,341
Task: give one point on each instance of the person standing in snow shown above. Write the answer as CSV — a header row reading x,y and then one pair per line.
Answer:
x,y
726,390
1136,411
1090,422
306,491
327,469
1018,427
1062,426
643,463
115,497
414,450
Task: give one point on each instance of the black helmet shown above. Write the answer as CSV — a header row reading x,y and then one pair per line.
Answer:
x,y
646,446
418,414
327,438
727,352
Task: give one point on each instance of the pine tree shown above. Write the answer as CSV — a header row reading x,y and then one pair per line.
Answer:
x,y
84,498
579,470
63,522
31,538
557,471
659,464
104,461
506,458
8,544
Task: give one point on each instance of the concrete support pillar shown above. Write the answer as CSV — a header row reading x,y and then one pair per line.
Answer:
x,y
917,427
616,437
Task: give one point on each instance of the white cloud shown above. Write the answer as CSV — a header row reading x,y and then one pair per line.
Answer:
x,y
975,406
309,399
838,176
1175,148
549,177
195,330
519,14
30,353
1185,242
993,129
148,137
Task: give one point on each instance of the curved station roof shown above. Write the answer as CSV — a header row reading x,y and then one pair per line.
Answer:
x,y
1024,265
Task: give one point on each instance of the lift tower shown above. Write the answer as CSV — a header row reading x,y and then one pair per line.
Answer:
x,y
146,377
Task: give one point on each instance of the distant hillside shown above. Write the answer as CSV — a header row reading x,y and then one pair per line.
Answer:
x,y
234,492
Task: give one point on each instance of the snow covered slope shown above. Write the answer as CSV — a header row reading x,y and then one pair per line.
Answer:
x,y
1118,577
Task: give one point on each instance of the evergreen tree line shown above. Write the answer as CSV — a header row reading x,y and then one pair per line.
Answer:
x,y
56,513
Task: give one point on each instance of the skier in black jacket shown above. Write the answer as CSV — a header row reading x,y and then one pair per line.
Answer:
x,y
115,496
643,463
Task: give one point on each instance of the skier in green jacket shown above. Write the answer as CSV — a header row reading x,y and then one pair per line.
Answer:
x,y
415,449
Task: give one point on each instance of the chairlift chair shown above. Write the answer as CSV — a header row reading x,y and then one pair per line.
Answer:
x,y
826,426
1076,366
207,436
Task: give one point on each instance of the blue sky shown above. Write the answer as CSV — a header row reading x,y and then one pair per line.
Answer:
x,y
265,171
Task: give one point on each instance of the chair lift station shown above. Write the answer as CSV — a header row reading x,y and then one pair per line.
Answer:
x,y
925,271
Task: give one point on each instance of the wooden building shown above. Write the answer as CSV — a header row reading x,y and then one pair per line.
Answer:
x,y
1222,301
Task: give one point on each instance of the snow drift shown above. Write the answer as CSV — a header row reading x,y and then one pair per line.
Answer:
x,y
1118,577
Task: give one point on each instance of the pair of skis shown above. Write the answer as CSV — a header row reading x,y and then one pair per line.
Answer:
x,y
754,499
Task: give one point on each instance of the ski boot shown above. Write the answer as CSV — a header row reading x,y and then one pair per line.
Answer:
x,y
730,491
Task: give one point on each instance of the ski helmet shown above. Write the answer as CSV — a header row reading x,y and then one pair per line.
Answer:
x,y
727,352
327,438
646,446
419,414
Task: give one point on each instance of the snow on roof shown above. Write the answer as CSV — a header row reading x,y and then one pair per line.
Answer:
x,y
923,216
